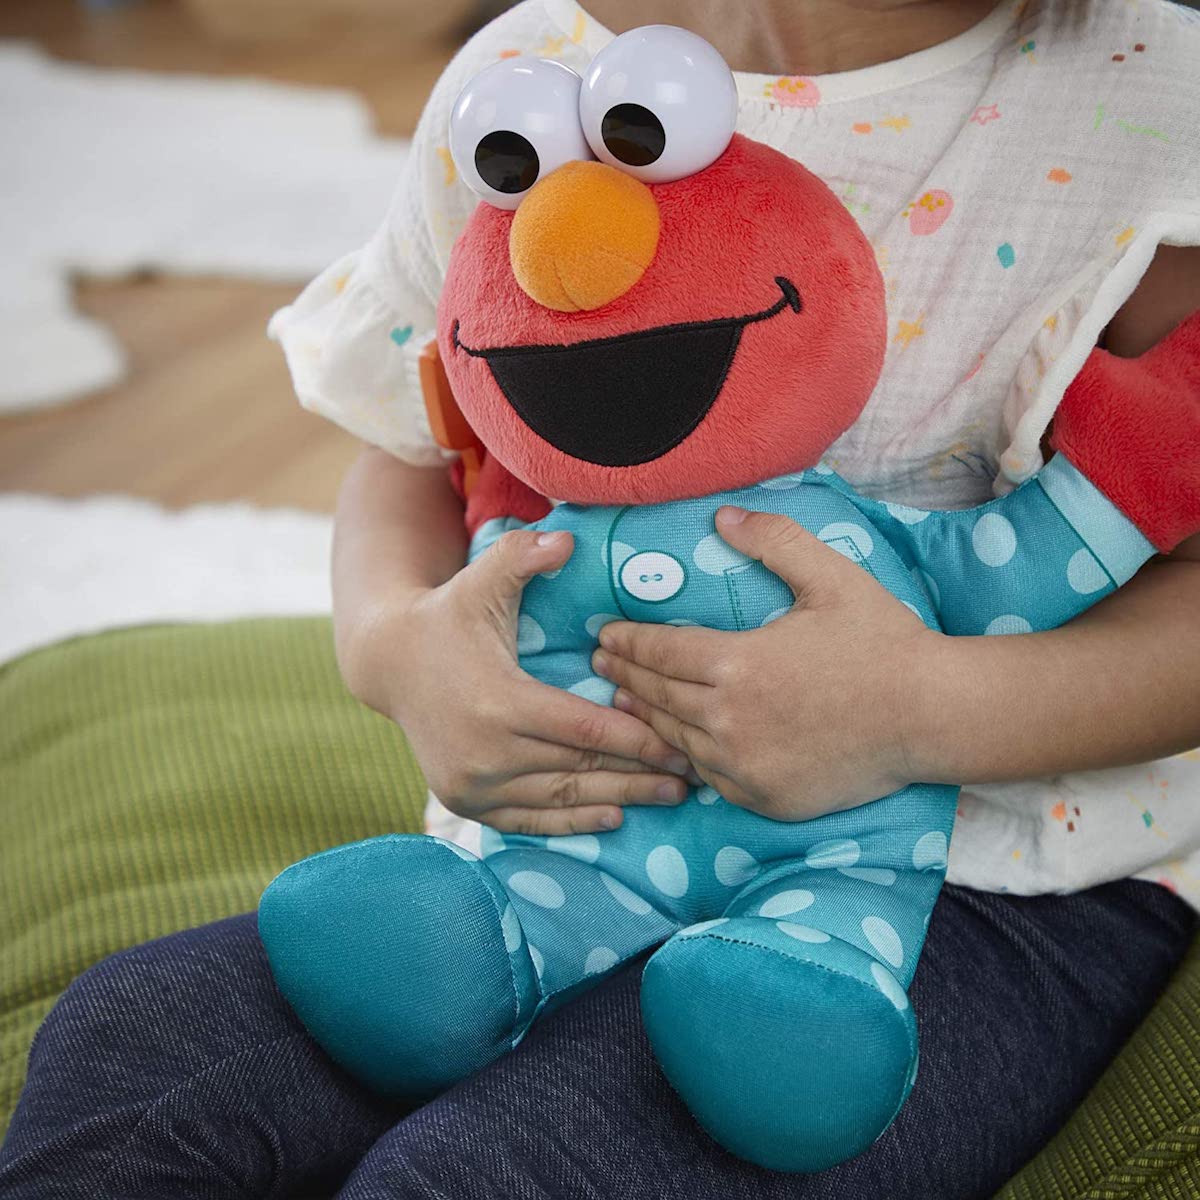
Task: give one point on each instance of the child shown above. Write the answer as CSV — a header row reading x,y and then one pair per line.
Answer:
x,y
176,1069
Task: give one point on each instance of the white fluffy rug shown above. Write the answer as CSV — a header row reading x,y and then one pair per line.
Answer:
x,y
70,567
105,173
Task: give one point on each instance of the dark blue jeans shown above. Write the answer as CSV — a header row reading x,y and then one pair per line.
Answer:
x,y
175,1070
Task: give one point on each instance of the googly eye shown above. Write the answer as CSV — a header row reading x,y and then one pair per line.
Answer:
x,y
659,103
514,123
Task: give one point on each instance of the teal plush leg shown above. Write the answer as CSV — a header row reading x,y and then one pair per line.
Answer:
x,y
403,957
794,1049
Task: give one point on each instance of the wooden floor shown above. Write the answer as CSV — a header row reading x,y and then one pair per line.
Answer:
x,y
206,411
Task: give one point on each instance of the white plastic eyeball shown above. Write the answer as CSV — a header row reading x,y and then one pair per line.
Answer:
x,y
659,103
513,123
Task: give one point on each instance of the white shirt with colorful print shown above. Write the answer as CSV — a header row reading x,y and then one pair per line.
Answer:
x,y
1015,182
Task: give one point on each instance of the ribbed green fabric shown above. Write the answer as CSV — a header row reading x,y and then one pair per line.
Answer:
x,y
156,778
1137,1136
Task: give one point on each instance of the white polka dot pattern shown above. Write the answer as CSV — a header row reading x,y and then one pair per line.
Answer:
x,y
1085,574
531,637
702,927
844,852
802,933
599,691
583,846
625,897
1009,623
510,926
538,889
597,622
599,960
885,939
783,904
887,984
931,852
714,556
733,866
994,540
668,871
844,886
848,539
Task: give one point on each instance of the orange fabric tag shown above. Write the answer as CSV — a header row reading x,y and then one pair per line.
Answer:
x,y
449,426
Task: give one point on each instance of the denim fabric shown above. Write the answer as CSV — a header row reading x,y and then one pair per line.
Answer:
x,y
176,1070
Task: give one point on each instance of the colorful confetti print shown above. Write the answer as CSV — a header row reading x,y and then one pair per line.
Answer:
x,y
908,331
929,212
793,91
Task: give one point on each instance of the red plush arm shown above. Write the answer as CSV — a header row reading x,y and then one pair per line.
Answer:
x,y
1132,426
486,488
495,492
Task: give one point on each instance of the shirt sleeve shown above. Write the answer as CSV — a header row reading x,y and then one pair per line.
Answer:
x,y
353,337
351,346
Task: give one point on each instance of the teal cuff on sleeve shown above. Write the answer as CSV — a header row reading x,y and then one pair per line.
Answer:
x,y
492,531
1110,535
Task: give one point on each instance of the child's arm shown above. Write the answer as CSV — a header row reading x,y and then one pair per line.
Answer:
x,y
432,645
852,695
1115,686
420,637
1119,682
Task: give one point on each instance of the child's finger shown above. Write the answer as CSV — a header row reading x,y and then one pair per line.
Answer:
x,y
696,743
539,755
515,558
552,715
814,571
687,652
689,702
583,789
551,822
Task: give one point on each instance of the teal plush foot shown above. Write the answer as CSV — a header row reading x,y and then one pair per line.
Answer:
x,y
403,958
793,1049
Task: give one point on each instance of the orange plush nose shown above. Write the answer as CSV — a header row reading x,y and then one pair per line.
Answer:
x,y
583,236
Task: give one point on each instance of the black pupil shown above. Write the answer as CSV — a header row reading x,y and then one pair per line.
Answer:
x,y
633,134
506,161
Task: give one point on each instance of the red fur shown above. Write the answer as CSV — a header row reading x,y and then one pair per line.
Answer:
x,y
499,493
1132,426
796,381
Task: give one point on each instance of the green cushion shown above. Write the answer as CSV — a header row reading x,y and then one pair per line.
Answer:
x,y
1137,1135
157,778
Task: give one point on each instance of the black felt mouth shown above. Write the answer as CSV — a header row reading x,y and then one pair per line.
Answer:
x,y
623,400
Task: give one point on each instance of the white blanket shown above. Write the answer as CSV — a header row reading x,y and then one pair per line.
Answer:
x,y
105,172
70,567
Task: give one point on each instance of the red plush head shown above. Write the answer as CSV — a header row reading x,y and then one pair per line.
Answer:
x,y
613,340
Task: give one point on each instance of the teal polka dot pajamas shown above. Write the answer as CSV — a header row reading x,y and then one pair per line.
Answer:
x,y
777,1003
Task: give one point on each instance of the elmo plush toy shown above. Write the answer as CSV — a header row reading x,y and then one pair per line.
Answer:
x,y
648,317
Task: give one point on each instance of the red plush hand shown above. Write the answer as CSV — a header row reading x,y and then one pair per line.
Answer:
x,y
1132,426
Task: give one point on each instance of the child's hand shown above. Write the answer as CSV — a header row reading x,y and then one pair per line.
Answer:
x,y
811,713
495,744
